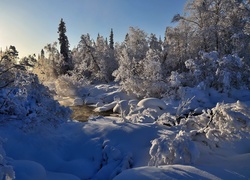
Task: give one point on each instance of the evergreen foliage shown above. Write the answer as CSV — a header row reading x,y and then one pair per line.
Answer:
x,y
66,63
111,40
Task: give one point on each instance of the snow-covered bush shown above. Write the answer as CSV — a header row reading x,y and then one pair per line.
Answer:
x,y
114,161
167,119
147,110
6,170
232,72
145,115
30,103
182,111
70,86
225,122
174,83
173,150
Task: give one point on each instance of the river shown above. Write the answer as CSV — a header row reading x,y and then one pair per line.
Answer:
x,y
82,113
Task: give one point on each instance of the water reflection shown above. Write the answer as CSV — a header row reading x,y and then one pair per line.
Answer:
x,y
82,113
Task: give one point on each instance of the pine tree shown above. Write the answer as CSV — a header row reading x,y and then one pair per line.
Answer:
x,y
42,54
66,64
106,41
111,40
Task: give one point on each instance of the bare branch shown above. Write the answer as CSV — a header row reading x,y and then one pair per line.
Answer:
x,y
178,17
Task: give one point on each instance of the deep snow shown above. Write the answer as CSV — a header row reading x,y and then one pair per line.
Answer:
x,y
123,147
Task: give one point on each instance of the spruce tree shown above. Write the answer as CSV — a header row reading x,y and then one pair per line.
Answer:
x,y
111,40
42,54
64,49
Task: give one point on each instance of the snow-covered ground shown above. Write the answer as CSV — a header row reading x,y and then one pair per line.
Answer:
x,y
145,142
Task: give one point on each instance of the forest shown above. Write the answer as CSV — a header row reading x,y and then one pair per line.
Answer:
x,y
193,85
208,47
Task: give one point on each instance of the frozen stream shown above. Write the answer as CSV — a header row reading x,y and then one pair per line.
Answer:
x,y
82,113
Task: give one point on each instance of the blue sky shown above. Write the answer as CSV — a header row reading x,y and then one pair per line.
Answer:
x,y
31,24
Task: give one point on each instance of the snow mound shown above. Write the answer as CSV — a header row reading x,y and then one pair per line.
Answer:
x,y
152,103
6,170
166,172
29,170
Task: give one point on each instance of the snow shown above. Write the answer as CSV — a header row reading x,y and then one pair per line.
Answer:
x,y
166,172
152,102
105,107
136,145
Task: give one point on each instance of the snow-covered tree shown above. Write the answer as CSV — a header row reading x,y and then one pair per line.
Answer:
x,y
85,58
223,73
130,60
30,104
154,43
23,99
153,84
176,49
94,60
136,43
140,67
9,66
29,62
217,25
48,67
111,39
106,59
66,61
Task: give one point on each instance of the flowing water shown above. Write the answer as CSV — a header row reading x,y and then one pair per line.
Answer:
x,y
82,113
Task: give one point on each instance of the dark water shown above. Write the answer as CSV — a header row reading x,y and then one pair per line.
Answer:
x,y
82,113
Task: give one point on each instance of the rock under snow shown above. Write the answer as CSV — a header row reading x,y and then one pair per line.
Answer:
x,y
151,103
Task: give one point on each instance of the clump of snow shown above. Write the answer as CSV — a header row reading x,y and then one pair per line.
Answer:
x,y
6,170
173,150
122,107
105,107
152,102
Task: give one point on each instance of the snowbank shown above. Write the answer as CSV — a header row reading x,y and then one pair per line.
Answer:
x,y
212,144
106,148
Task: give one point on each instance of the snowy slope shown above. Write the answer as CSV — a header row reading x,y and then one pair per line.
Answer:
x,y
136,145
106,147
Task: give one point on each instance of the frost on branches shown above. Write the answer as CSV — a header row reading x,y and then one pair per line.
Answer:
x,y
223,74
30,103
173,150
140,67
70,86
223,123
